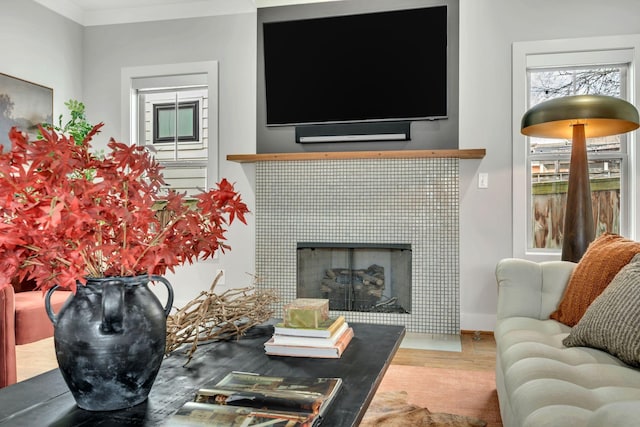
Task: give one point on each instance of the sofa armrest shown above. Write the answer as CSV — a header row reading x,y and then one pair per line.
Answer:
x,y
7,337
531,289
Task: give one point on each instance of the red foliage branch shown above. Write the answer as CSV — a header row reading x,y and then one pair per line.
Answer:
x,y
67,214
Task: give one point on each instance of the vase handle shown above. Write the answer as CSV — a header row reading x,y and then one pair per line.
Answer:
x,y
47,305
112,307
165,282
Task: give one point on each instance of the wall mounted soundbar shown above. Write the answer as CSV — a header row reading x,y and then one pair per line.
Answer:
x,y
352,132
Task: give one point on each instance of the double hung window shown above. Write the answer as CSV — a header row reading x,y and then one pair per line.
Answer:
x,y
548,159
172,113
552,69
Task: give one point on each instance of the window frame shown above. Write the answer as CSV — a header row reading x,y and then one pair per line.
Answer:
x,y
568,52
164,74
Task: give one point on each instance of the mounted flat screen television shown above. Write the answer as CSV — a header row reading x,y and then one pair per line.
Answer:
x,y
383,66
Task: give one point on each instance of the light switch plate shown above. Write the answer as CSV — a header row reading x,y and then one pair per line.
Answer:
x,y
483,180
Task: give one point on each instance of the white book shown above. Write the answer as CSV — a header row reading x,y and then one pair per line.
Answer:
x,y
321,352
310,341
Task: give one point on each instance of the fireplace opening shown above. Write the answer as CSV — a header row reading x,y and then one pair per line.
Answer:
x,y
356,277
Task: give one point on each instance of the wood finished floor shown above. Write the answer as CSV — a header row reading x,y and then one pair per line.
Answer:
x,y
476,354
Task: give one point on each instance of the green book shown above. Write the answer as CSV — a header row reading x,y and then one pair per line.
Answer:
x,y
324,330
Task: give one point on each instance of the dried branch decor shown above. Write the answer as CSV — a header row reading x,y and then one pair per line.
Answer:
x,y
214,317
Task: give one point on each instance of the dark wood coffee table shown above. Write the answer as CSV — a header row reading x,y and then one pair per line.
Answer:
x,y
45,400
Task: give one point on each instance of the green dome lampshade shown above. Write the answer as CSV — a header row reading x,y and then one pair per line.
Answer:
x,y
602,116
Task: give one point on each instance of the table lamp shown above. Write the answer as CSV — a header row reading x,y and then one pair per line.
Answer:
x,y
577,118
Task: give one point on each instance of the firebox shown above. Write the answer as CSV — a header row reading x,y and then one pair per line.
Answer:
x,y
356,277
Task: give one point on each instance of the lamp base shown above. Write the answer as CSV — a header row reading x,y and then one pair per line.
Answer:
x,y
579,230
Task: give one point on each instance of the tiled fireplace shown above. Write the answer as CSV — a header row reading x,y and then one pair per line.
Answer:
x,y
408,203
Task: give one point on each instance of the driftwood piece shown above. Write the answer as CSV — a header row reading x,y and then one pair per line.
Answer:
x,y
331,284
368,279
210,316
349,289
375,292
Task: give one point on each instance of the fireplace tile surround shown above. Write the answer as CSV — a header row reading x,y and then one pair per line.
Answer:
x,y
411,201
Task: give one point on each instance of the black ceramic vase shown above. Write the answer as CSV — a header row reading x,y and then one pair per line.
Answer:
x,y
110,340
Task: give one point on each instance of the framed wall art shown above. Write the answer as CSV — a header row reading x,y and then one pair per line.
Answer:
x,y
23,104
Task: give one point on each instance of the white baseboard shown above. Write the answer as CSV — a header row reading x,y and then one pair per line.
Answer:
x,y
477,322
440,342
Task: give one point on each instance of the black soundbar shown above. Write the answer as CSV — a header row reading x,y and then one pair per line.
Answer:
x,y
348,132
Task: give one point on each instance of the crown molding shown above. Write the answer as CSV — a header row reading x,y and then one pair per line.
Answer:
x,y
271,3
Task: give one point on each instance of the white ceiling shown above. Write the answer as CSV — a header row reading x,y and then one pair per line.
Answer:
x,y
105,12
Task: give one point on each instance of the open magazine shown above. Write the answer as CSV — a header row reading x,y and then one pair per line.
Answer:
x,y
247,399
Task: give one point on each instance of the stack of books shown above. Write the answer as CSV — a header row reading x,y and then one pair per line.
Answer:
x,y
328,340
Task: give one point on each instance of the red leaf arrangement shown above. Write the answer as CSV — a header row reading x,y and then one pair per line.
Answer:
x,y
67,214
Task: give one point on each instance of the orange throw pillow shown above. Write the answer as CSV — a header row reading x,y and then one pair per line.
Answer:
x,y
604,257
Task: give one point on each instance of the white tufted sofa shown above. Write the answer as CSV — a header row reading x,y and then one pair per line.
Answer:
x,y
540,382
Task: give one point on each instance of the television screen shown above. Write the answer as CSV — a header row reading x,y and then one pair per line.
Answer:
x,y
379,66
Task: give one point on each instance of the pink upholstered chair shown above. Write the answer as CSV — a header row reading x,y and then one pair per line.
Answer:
x,y
23,319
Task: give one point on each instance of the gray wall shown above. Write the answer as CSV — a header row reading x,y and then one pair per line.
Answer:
x,y
32,35
228,39
488,29
42,47
424,134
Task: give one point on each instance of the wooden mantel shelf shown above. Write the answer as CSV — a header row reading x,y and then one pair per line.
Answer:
x,y
474,153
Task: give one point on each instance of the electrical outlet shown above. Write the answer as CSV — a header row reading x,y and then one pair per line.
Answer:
x,y
483,180
221,280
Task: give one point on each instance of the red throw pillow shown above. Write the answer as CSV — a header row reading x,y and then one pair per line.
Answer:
x,y
604,257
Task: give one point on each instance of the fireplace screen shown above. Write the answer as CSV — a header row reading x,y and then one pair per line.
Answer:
x,y
362,277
